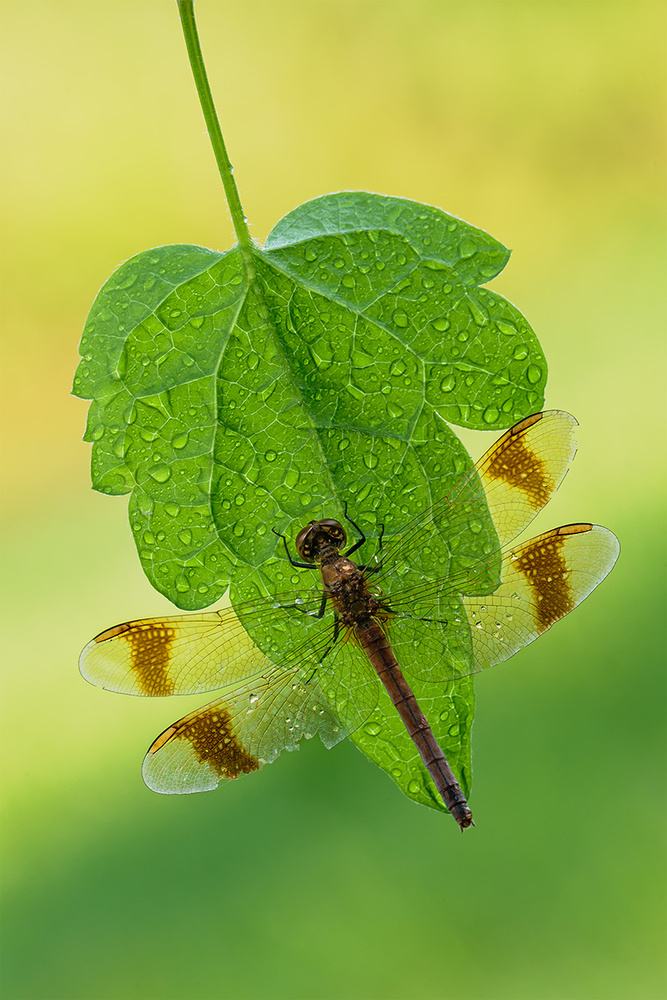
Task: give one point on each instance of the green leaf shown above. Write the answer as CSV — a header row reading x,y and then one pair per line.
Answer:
x,y
233,395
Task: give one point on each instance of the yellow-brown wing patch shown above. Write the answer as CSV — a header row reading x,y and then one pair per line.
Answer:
x,y
211,735
541,582
185,654
148,651
525,467
516,464
543,563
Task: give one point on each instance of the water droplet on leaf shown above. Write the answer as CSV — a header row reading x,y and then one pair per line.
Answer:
x,y
441,324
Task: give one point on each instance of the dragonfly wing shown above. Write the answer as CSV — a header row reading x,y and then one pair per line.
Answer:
x,y
349,683
190,653
439,635
524,468
541,581
240,732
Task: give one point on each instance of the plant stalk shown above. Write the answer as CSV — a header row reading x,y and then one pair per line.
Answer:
x,y
187,15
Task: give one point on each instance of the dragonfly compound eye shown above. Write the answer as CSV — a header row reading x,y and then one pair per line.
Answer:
x,y
317,534
304,542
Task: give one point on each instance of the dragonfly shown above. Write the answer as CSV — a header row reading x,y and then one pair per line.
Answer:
x,y
311,661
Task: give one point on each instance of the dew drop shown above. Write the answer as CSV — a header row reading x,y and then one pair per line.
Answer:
x,y
148,538
185,536
414,787
270,455
441,324
477,315
533,374
520,352
400,318
180,441
506,328
364,492
448,383
161,474
490,415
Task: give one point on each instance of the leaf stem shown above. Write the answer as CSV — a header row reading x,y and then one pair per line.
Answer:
x,y
187,15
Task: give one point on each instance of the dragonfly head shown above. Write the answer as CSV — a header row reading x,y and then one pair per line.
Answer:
x,y
317,536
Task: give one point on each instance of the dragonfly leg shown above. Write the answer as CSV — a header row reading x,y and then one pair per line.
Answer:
x,y
378,566
361,541
334,639
297,565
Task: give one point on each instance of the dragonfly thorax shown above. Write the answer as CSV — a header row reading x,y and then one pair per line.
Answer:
x,y
320,539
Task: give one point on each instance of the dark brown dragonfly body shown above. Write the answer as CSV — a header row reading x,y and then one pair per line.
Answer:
x,y
364,613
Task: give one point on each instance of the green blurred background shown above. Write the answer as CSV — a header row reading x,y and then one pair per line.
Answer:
x,y
541,122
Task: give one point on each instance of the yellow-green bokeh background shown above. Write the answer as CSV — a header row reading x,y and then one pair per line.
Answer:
x,y
541,122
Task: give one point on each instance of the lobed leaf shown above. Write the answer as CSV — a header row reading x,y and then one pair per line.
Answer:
x,y
233,396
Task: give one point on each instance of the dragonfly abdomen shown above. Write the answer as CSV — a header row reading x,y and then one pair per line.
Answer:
x,y
377,647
